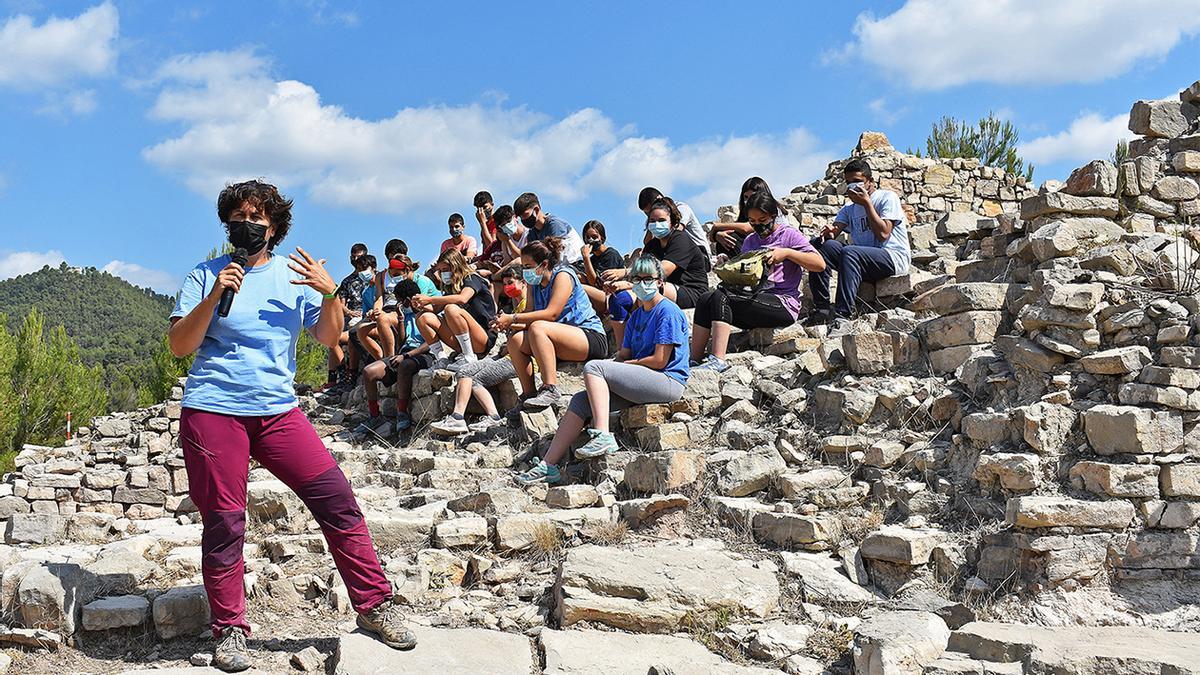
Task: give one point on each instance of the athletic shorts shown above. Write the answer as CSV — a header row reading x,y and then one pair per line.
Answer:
x,y
422,361
597,344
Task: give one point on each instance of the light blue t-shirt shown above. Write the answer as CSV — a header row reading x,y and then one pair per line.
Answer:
x,y
247,361
578,311
412,336
887,205
664,324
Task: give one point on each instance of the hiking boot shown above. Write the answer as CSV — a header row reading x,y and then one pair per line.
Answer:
x,y
547,396
231,654
387,623
541,473
487,423
403,421
601,443
450,425
714,364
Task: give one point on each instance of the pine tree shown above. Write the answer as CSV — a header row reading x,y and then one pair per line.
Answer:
x,y
990,140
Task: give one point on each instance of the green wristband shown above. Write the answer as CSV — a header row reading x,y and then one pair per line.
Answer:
x,y
330,296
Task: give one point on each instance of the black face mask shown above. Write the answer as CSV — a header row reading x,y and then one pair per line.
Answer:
x,y
247,235
763,230
530,222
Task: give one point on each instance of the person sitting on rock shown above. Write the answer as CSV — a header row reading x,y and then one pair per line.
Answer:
x,y
484,208
541,225
561,326
773,304
461,316
477,378
598,258
727,237
240,404
381,330
344,357
459,239
399,370
650,367
878,247
691,224
685,264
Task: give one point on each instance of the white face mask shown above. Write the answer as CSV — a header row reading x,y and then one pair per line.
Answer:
x,y
447,277
856,186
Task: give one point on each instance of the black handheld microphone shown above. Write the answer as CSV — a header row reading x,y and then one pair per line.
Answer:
x,y
239,257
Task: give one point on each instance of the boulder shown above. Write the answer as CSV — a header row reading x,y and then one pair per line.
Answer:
x,y
1068,236
49,597
460,532
793,529
749,472
571,496
1158,119
1175,189
965,297
1181,480
1018,472
1060,202
965,328
899,643
664,471
35,528
868,352
1117,361
638,512
657,588
1097,178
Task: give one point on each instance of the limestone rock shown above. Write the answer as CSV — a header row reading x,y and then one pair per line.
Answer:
x,y
1034,512
118,611
654,588
438,650
1117,480
49,597
1181,480
1068,236
749,472
1175,189
459,532
1080,649
823,582
1018,472
902,545
1117,361
1097,178
181,611
1061,202
1158,119
899,643
35,528
1115,429
664,471
793,529
571,496
960,329
955,298
594,652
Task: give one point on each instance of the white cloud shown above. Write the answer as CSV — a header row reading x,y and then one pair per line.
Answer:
x,y
58,50
161,281
23,262
241,122
934,44
1090,136
886,112
76,103
708,173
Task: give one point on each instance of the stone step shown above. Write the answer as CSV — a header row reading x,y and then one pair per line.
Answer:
x,y
439,650
1080,650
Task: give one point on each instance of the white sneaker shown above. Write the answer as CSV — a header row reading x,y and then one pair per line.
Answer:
x,y
486,424
450,425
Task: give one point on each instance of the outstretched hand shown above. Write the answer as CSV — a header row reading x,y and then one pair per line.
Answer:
x,y
312,272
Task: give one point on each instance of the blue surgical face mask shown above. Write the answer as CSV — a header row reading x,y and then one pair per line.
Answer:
x,y
658,228
531,276
366,275
509,228
645,290
447,277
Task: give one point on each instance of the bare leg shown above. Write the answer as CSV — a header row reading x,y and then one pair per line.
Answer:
x,y
366,335
462,394
700,336
569,428
549,340
485,399
720,338
618,329
599,299
386,332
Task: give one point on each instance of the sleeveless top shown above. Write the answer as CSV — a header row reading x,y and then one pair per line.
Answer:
x,y
578,311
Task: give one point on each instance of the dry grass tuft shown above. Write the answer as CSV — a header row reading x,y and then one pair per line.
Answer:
x,y
607,534
547,542
857,529
829,643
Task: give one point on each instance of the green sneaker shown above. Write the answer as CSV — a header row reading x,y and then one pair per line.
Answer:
x,y
601,443
541,473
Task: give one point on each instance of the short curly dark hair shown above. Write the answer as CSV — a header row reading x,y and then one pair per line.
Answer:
x,y
264,197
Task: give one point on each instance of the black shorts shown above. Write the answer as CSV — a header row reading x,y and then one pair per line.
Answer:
x,y
597,344
687,297
421,361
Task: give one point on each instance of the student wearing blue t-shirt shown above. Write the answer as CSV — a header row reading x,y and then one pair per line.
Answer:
x,y
650,367
239,404
878,246
562,325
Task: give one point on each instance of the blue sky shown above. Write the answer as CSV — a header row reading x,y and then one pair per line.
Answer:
x,y
120,121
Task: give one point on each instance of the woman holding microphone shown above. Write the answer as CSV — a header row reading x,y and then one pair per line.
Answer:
x,y
239,403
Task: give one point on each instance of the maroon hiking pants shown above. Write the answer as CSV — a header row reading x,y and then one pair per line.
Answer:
x,y
217,450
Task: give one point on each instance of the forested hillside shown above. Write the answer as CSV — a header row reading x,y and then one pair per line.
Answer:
x,y
117,326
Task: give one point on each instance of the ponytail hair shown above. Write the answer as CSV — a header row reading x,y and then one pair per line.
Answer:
x,y
667,204
545,250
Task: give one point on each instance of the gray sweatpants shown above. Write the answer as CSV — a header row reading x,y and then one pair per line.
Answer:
x,y
628,385
488,372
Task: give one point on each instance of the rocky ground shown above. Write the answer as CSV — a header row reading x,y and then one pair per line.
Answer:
x,y
995,470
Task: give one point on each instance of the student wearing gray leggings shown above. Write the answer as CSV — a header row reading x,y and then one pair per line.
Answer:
x,y
650,367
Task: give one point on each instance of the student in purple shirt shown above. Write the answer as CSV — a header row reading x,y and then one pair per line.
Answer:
x,y
775,302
